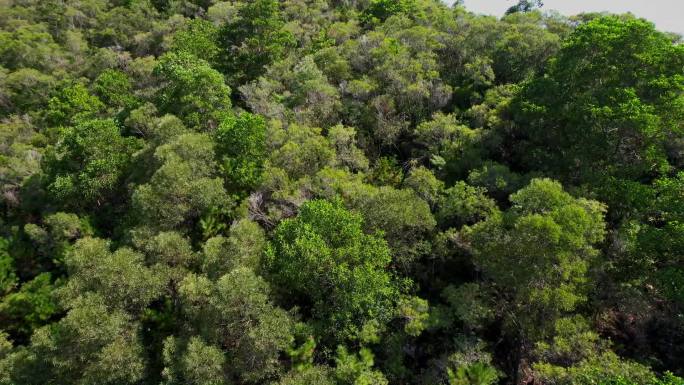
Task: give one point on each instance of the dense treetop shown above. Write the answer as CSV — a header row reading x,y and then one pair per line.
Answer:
x,y
338,192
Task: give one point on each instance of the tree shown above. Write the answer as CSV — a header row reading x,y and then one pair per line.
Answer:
x,y
199,363
318,375
252,40
192,90
448,145
92,344
324,257
404,219
241,150
28,45
88,164
474,374
463,204
171,256
115,89
8,276
300,150
379,10
606,106
525,47
236,314
338,192
353,369
71,105
184,187
470,365
524,6
199,38
653,235
553,232
297,89
120,278
26,90
498,180
55,237
243,247
29,308
425,184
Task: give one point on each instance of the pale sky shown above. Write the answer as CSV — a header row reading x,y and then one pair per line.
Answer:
x,y
668,15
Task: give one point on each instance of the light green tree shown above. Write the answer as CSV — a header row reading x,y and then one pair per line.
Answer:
x,y
88,165
192,90
539,252
326,259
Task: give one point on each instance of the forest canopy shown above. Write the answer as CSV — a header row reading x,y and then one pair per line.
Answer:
x,y
338,192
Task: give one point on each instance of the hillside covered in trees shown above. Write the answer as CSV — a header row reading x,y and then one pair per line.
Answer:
x,y
338,192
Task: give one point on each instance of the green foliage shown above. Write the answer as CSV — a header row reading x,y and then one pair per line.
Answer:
x,y
405,220
608,99
26,89
20,158
235,313
87,165
357,369
324,257
470,365
72,104
347,192
170,253
199,38
252,40
468,304
120,278
654,236
243,247
415,311
192,90
241,150
8,277
28,45
115,89
498,179
92,344
157,130
475,374
524,6
549,229
448,145
379,10
524,48
425,184
55,238
300,150
301,354
316,375
463,204
30,307
199,363
348,155
183,187
606,368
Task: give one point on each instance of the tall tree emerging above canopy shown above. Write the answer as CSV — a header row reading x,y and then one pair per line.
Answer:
x,y
324,256
610,101
524,6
